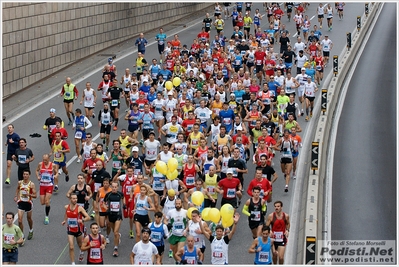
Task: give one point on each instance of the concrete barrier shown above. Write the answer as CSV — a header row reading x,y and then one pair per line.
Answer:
x,y
315,204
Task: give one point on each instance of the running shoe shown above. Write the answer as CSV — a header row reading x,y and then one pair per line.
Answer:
x,y
321,27
107,239
81,257
103,141
94,116
93,215
115,128
307,118
46,220
160,61
294,175
106,148
170,253
286,189
79,159
30,236
66,178
115,254
55,189
7,181
311,114
23,242
59,171
131,234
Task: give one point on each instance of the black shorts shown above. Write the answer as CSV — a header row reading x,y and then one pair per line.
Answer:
x,y
68,100
219,30
326,53
94,195
209,203
280,244
259,68
105,129
115,107
161,48
149,162
144,220
285,160
77,234
239,9
25,206
328,19
311,98
159,192
161,249
133,127
253,225
114,217
250,64
89,108
103,214
146,133
269,15
232,201
9,157
320,16
203,249
248,29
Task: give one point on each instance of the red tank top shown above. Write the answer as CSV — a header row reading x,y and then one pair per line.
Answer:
x,y
253,116
279,227
261,152
127,186
46,175
72,219
95,253
189,176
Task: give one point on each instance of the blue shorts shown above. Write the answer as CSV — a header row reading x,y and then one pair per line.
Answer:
x,y
62,163
295,154
10,256
203,124
83,136
305,30
288,65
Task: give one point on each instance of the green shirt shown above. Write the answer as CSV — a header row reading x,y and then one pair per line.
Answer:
x,y
11,233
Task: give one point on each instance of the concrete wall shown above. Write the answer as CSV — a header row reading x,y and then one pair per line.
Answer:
x,y
41,38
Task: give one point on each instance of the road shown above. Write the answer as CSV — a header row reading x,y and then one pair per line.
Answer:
x,y
50,241
364,174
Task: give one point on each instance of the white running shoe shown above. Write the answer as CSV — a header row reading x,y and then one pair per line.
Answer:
x,y
107,239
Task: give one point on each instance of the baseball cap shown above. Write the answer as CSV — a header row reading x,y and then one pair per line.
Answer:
x,y
170,93
229,171
52,110
239,128
171,192
110,59
232,94
145,81
303,69
243,40
135,149
146,230
142,93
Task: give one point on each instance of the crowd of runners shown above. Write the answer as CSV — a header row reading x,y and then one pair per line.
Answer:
x,y
222,105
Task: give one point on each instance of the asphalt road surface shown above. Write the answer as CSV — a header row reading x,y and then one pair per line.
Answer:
x,y
49,245
364,175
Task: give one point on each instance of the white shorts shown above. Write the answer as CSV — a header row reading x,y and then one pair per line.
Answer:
x,y
301,91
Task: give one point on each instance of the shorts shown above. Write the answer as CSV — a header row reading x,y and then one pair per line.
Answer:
x,y
250,64
288,65
9,157
77,234
144,220
95,263
295,154
280,243
248,29
253,225
159,192
329,19
46,189
89,108
319,70
161,249
310,98
231,201
285,160
203,249
301,91
161,48
115,107
236,68
173,240
25,206
132,128
209,203
11,256
62,163
219,30
259,68
83,136
222,175
112,217
103,214
149,162
320,16
94,196
68,100
105,129
146,133
326,53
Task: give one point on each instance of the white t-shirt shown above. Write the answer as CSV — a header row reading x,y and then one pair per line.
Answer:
x,y
298,47
326,45
203,113
151,149
144,252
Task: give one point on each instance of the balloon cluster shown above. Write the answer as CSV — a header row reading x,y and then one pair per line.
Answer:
x,y
226,213
169,85
169,170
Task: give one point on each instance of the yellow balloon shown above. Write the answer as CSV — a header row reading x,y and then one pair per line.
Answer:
x,y
227,211
214,215
44,127
168,85
189,211
172,175
161,167
205,214
197,198
176,81
227,222
172,164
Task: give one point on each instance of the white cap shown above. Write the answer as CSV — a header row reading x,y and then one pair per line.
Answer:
x,y
229,171
145,80
232,94
170,93
303,69
135,149
239,128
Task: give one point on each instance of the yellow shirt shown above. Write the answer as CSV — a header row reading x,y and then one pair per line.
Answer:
x,y
216,107
58,156
211,184
247,21
194,140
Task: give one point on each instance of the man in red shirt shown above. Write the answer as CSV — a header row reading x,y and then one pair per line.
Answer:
x,y
230,188
59,129
263,183
176,45
203,36
278,12
260,56
188,123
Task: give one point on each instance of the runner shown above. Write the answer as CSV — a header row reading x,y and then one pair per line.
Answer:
x,y
89,166
159,232
161,39
230,188
74,220
263,183
94,243
105,120
310,91
114,94
127,86
50,124
340,8
194,230
97,177
81,123
190,253
280,225
263,247
89,98
118,158
82,191
141,43
23,156
132,116
320,15
285,145
238,165
199,186
255,208
150,150
12,236
330,15
220,242
326,46
46,173
26,191
114,201
103,87
102,218
69,92
145,252
59,148
12,144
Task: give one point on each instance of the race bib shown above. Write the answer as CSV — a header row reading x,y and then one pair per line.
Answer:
x,y
211,189
278,236
78,135
8,238
115,206
67,94
264,256
190,180
257,216
155,236
57,155
72,222
217,254
116,164
95,253
96,186
45,178
114,102
22,158
231,193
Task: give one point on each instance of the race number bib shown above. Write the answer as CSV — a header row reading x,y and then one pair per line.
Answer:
x,y
78,135
231,193
72,222
95,253
114,206
264,256
114,102
278,236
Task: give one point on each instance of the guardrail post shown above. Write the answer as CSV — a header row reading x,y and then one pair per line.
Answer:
x,y
324,101
335,65
315,157
349,40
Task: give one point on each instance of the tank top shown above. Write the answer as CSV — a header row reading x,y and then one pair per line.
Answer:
x,y
157,234
242,150
86,150
180,161
221,142
220,251
190,257
140,204
274,119
216,107
157,185
289,86
95,253
215,130
253,116
291,107
225,163
265,97
278,227
58,156
235,125
256,209
286,144
211,184
128,184
24,191
189,176
101,194
208,164
81,194
169,204
201,154
46,175
116,163
264,256
125,82
105,117
320,10
89,98
133,96
194,140
289,125
72,219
